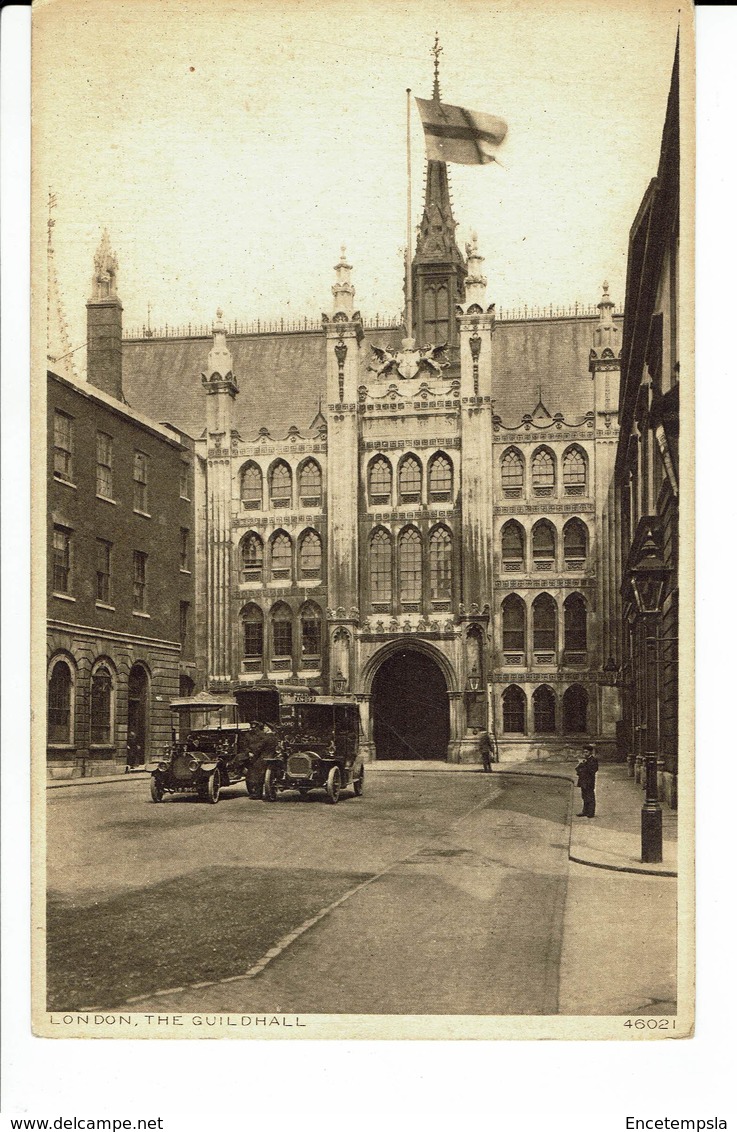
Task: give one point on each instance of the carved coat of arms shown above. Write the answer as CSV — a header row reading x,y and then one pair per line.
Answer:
x,y
409,361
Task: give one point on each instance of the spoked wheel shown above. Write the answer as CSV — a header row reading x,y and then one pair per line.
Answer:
x,y
269,785
332,786
212,794
157,790
358,782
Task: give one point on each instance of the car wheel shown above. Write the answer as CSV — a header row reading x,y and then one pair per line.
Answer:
x,y
157,790
269,786
332,785
358,782
213,787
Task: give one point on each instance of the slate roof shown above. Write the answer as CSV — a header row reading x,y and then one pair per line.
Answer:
x,y
282,376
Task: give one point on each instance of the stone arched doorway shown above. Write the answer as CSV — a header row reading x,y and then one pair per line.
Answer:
x,y
138,695
411,716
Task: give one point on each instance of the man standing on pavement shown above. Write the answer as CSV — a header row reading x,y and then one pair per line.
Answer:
x,y
586,771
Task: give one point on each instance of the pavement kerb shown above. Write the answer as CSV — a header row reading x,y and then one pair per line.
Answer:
x,y
633,869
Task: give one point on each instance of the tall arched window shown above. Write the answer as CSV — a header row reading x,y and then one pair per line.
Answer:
x,y
544,623
310,484
252,557
574,471
281,485
252,620
441,564
436,317
440,479
310,555
575,543
513,546
513,624
281,630
543,709
251,487
543,545
380,481
575,710
574,623
101,706
410,480
380,567
60,728
311,627
543,472
513,473
281,555
514,704
410,565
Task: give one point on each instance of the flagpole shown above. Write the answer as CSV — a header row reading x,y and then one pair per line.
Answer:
x,y
408,264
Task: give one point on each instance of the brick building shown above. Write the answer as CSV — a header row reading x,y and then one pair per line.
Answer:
x,y
121,536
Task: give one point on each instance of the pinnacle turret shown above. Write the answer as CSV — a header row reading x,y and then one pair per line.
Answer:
x,y
343,290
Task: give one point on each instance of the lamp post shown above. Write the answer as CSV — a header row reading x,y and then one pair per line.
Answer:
x,y
648,582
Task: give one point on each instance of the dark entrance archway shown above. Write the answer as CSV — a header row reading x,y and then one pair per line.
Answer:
x,y
137,715
410,708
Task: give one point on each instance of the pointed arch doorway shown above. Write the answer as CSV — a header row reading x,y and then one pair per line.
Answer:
x,y
411,713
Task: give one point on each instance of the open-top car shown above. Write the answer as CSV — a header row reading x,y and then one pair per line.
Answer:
x,y
319,746
212,747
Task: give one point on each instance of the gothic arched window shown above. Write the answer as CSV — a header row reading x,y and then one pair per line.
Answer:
x,y
281,555
441,564
251,487
543,472
440,479
543,708
60,728
575,710
101,705
410,480
252,557
514,704
281,630
252,620
380,566
543,544
575,543
574,624
513,473
410,565
513,624
311,625
281,485
310,555
380,481
574,471
436,313
544,623
310,484
513,545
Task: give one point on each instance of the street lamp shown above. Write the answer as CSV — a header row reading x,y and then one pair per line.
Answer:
x,y
340,684
611,672
648,579
474,680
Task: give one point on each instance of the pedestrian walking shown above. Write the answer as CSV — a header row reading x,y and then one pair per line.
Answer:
x,y
487,751
586,771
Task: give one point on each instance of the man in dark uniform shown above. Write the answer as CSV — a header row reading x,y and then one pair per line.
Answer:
x,y
586,771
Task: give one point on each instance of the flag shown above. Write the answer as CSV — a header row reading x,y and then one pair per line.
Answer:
x,y
463,136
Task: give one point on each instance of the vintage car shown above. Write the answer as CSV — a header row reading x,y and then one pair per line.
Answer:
x,y
212,747
319,746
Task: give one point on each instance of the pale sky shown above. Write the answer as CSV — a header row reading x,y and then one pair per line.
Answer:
x,y
231,148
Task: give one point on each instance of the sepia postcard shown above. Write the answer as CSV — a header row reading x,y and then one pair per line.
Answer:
x,y
362,386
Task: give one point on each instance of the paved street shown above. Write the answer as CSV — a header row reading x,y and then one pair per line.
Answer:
x,y
434,893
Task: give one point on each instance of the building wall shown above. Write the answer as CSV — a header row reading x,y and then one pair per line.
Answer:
x,y
93,624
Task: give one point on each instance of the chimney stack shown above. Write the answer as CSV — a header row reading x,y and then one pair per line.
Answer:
x,y
105,324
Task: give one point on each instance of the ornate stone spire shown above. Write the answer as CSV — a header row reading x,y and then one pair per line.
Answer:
x,y
435,51
343,290
606,334
219,359
475,280
105,276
